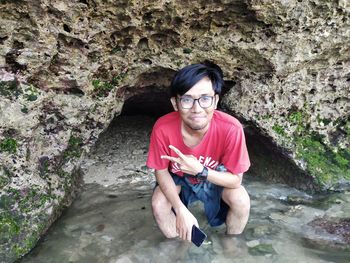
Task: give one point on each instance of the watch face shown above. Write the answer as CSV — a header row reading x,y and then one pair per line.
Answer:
x,y
203,175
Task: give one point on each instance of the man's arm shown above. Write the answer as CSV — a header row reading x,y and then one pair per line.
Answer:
x,y
184,218
190,165
225,179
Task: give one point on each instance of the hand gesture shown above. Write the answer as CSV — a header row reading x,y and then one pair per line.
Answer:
x,y
187,163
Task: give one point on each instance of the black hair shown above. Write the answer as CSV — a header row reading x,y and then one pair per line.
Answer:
x,y
188,76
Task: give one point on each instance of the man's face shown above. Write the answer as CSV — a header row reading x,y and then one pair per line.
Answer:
x,y
196,117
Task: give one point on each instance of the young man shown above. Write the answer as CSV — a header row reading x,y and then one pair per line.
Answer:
x,y
198,153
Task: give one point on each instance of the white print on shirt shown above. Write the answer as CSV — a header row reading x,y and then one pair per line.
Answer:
x,y
206,161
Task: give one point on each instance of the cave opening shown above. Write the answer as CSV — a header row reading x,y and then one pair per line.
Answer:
x,y
151,102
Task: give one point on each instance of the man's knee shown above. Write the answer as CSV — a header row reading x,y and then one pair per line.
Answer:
x,y
237,198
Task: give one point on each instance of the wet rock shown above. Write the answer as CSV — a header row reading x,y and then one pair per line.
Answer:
x,y
277,216
329,234
327,201
316,201
253,243
107,238
298,200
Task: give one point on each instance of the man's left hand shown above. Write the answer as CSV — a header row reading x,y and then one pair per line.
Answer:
x,y
187,163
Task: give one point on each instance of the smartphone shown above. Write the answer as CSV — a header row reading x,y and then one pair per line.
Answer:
x,y
198,236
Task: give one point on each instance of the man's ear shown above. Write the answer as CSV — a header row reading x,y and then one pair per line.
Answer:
x,y
216,100
173,102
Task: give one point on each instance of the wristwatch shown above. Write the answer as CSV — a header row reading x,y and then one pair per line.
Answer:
x,y
203,175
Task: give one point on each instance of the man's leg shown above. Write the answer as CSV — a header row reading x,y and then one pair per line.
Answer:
x,y
239,202
163,214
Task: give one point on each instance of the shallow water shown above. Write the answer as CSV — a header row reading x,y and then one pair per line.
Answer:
x,y
111,220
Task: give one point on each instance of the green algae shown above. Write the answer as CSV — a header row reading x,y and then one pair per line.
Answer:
x,y
17,234
9,227
31,93
24,110
74,149
296,117
116,50
25,200
103,88
326,165
187,50
8,145
36,198
27,244
279,130
300,120
266,117
10,89
19,230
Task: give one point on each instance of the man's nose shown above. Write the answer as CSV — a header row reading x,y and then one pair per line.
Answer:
x,y
196,107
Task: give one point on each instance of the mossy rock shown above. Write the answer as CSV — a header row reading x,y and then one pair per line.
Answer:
x,y
19,229
328,166
262,249
18,235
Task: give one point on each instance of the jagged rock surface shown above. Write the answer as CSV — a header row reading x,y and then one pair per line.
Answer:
x,y
68,66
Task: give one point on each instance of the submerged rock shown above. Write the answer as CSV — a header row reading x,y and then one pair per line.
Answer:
x,y
252,233
261,250
323,201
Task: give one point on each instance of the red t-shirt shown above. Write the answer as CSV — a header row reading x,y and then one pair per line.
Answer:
x,y
224,143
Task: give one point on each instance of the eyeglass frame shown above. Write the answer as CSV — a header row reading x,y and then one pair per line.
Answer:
x,y
194,101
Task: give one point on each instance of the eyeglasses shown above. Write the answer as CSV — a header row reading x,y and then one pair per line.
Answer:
x,y
188,102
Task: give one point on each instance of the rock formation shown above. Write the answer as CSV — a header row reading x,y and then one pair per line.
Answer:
x,y
68,66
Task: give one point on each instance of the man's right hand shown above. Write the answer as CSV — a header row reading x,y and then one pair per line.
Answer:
x,y
184,223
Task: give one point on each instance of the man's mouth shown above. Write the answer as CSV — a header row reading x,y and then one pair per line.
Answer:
x,y
195,118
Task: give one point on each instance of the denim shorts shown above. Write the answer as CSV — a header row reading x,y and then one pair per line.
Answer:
x,y
210,194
